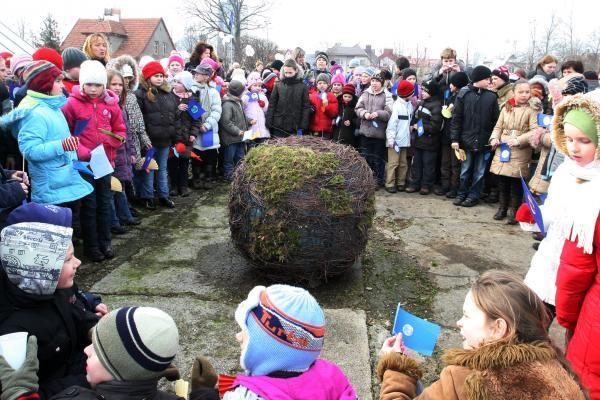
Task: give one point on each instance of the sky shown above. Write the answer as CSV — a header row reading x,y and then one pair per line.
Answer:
x,y
490,28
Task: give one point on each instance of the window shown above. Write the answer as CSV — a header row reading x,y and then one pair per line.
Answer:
x,y
156,47
164,49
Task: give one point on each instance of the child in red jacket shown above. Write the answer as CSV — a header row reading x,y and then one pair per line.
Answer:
x,y
94,115
577,181
325,105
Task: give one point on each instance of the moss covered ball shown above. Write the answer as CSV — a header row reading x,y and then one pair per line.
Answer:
x,y
300,208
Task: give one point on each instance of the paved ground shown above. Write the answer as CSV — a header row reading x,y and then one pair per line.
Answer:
x,y
424,253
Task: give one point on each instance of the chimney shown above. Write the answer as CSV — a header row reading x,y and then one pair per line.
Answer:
x,y
112,14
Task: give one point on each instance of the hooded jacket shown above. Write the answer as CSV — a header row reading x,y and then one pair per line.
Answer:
x,y
233,120
430,112
119,390
256,109
289,108
125,59
369,102
209,98
346,112
322,118
160,115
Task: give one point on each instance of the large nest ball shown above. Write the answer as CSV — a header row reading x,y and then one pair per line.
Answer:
x,y
300,208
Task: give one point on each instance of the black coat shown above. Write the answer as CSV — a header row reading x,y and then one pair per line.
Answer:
x,y
430,112
11,195
186,125
61,324
342,133
475,114
446,126
160,116
289,108
119,390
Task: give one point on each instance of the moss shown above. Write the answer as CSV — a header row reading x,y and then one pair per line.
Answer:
x,y
279,170
273,241
338,203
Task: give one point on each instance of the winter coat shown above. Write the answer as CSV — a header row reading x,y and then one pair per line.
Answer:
x,y
186,125
369,102
125,59
136,128
537,184
42,127
505,93
577,298
289,108
61,324
117,390
346,112
123,167
475,114
447,125
256,109
398,127
517,123
70,84
539,71
159,115
430,112
321,120
233,120
11,194
501,370
210,101
102,112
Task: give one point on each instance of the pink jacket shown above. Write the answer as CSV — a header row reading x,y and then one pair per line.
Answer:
x,y
102,112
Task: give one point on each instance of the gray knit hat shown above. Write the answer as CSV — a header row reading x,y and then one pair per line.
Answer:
x,y
72,58
236,88
136,343
323,77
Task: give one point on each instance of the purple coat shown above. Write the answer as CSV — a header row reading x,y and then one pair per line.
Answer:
x,y
123,166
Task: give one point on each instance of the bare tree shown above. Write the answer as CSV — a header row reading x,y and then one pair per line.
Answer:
x,y
21,30
593,51
232,17
532,55
550,33
264,50
191,35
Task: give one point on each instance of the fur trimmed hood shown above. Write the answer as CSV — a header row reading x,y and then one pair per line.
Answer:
x,y
585,102
125,59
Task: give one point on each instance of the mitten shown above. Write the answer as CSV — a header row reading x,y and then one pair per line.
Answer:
x,y
203,374
171,373
16,383
261,103
71,143
180,148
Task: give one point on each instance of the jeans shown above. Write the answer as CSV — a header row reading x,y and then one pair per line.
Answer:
x,y
233,154
120,209
471,175
375,153
161,155
422,173
96,214
143,182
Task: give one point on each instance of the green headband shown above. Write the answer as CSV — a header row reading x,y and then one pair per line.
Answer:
x,y
584,122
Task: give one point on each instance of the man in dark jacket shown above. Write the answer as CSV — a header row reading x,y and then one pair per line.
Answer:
x,y
475,114
289,108
14,187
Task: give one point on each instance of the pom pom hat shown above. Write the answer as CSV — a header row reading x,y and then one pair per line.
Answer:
x,y
285,327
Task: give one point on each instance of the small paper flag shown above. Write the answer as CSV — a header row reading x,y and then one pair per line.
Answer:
x,y
195,110
82,166
533,206
504,152
207,139
544,120
417,334
149,155
420,128
80,125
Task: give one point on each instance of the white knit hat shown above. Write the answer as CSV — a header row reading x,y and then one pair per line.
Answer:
x,y
92,71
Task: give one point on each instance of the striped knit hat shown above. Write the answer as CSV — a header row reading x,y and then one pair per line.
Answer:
x,y
136,343
40,75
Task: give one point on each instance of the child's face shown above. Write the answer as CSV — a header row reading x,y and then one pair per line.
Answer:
x,y
365,79
376,84
522,93
483,84
475,326
3,69
336,87
58,86
116,85
448,62
453,88
179,88
93,90
256,87
175,67
321,63
322,86
201,78
67,273
412,79
157,79
347,98
95,371
581,149
497,82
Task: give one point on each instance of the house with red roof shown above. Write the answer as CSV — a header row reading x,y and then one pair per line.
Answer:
x,y
134,36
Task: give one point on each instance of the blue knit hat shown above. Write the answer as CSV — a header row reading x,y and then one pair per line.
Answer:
x,y
44,213
285,327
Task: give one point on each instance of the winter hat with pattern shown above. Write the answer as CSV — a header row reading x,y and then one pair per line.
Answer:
x,y
573,84
151,69
73,57
48,54
369,71
405,89
285,327
92,71
136,343
378,76
18,62
502,72
323,77
459,79
177,58
323,56
349,89
40,76
480,73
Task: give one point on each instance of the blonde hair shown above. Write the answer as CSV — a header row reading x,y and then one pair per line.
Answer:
x,y
448,53
87,46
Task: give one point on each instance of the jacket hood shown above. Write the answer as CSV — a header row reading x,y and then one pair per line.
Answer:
x,y
32,255
231,99
125,59
585,102
109,97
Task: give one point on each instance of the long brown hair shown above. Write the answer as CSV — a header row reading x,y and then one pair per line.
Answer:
x,y
199,48
110,74
87,46
546,59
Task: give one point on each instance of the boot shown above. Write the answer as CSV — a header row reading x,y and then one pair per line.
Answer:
x,y
500,214
510,216
493,197
196,177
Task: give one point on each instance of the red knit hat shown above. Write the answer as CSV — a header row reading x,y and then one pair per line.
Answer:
x,y
7,56
151,69
48,54
405,89
349,89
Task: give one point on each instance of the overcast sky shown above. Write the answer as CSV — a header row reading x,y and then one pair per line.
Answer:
x,y
491,27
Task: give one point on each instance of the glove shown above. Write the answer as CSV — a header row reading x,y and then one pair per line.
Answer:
x,y
180,148
171,373
71,143
16,383
203,374
261,103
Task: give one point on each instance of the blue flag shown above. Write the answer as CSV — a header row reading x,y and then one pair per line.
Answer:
x,y
299,132
446,94
533,206
218,87
207,138
544,120
149,155
420,128
416,90
195,110
504,152
230,21
80,125
394,88
417,334
82,166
